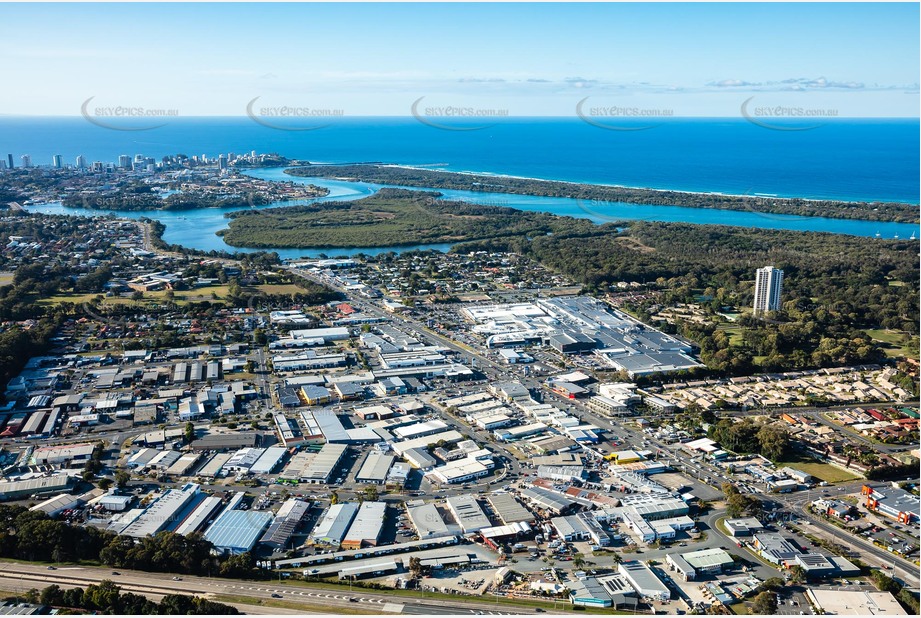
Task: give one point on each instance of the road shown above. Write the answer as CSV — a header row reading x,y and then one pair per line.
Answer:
x,y
869,553
18,576
704,471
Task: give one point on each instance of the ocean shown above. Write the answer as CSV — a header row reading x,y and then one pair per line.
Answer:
x,y
852,160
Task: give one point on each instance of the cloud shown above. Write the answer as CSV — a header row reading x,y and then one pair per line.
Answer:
x,y
799,84
732,83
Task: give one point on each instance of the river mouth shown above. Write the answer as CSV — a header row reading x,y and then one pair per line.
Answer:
x,y
197,229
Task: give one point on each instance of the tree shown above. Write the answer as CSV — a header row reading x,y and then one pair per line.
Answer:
x,y
189,432
334,498
765,603
121,479
774,441
370,493
738,504
798,574
578,561
51,595
415,566
137,295
884,583
104,484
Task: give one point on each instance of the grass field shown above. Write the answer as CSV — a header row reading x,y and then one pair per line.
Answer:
x,y
895,343
356,591
303,606
215,293
739,609
733,332
822,471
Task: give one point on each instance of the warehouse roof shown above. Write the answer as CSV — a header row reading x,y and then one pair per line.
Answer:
x,y
368,523
375,468
468,513
237,531
708,558
428,521
509,509
334,524
324,463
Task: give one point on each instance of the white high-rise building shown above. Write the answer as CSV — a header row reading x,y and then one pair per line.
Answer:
x,y
768,288
124,162
26,160
81,162
57,161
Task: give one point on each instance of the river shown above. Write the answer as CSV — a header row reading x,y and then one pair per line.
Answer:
x,y
197,229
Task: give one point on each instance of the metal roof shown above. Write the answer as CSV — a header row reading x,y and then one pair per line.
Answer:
x,y
368,523
323,464
336,521
708,558
509,509
375,468
237,531
427,521
468,513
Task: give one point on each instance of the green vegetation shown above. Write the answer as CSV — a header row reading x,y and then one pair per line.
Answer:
x,y
904,595
597,197
750,436
107,598
895,343
765,604
33,536
391,217
822,471
739,504
240,599
215,294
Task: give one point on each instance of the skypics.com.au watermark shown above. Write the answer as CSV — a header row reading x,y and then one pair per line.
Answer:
x,y
128,201
431,115
276,116
124,117
783,117
494,202
620,117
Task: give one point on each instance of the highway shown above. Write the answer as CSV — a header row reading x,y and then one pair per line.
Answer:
x,y
322,599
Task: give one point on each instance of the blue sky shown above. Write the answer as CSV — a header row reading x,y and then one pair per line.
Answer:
x,y
535,59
